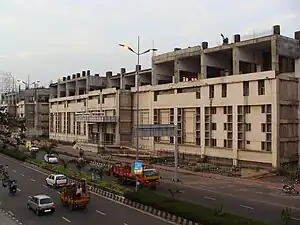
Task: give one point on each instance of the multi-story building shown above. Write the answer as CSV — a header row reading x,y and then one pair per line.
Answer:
x,y
32,105
236,103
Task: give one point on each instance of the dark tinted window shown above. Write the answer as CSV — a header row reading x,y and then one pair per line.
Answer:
x,y
45,201
61,178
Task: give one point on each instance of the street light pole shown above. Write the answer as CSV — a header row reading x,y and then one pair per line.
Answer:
x,y
138,54
137,107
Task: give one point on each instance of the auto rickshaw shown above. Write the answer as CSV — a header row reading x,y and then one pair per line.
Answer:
x,y
75,196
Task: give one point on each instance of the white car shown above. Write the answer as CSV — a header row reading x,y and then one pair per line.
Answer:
x,y
56,180
51,158
33,149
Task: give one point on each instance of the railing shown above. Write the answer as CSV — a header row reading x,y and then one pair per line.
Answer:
x,y
95,118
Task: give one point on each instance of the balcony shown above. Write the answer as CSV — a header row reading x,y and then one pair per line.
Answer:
x,y
98,117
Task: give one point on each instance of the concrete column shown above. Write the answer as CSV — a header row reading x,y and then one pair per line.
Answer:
x,y
203,69
117,141
274,55
154,75
122,83
87,82
67,89
58,90
176,71
235,60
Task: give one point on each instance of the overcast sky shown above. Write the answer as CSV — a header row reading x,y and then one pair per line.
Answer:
x,y
49,39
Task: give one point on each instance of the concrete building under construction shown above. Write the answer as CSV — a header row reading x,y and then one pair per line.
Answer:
x,y
236,103
32,104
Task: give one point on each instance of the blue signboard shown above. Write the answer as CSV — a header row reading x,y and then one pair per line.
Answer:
x,y
138,167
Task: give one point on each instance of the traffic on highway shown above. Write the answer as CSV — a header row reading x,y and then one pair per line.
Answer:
x,y
248,204
36,202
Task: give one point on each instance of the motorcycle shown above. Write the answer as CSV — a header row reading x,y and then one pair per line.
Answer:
x,y
290,189
12,187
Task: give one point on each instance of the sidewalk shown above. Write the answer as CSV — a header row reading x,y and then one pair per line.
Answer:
x,y
94,156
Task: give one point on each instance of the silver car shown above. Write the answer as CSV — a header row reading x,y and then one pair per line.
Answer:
x,y
41,204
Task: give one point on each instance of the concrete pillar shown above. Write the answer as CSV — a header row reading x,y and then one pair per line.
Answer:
x,y
87,83
122,83
176,71
58,90
203,69
117,141
67,89
137,68
235,60
153,75
274,55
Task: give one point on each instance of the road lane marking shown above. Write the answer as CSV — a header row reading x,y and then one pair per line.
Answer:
x,y
125,223
18,189
32,180
22,175
44,186
14,171
10,212
102,213
294,218
247,207
209,198
65,219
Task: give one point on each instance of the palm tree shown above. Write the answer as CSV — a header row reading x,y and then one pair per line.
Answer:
x,y
80,164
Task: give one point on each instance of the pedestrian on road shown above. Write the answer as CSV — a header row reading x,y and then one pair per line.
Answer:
x,y
101,173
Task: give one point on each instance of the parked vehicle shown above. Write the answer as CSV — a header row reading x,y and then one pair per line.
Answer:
x,y
75,197
148,178
56,180
33,148
51,158
41,204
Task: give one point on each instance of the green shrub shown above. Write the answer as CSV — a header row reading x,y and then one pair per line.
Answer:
x,y
14,153
188,210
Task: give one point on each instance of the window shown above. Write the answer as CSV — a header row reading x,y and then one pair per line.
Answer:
x,y
229,118
269,128
224,90
225,126
263,147
225,143
269,146
269,119
247,109
198,93
240,144
214,142
213,110
269,108
261,87
229,144
206,142
44,201
155,96
229,127
214,126
224,110
248,126
248,142
263,127
268,137
84,128
229,110
246,88
211,91
240,109
229,135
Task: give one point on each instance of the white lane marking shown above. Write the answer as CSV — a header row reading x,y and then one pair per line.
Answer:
x,y
44,186
102,213
294,218
10,212
22,175
29,196
247,207
14,171
65,219
125,223
32,180
209,198
259,192
18,189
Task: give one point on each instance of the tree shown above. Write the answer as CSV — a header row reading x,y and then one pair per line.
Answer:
x,y
79,163
12,129
65,163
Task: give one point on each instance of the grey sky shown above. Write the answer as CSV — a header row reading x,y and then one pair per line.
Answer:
x,y
49,39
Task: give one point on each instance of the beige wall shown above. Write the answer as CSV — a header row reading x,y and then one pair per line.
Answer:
x,y
173,96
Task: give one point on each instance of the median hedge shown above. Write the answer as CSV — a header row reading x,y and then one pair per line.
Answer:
x,y
188,210
112,187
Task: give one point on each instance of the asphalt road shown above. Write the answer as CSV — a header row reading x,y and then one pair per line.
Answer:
x,y
248,204
99,211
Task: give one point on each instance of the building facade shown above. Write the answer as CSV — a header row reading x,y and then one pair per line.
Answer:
x,y
32,105
236,103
